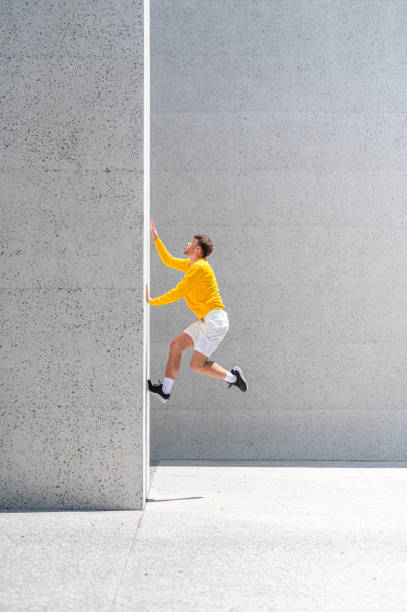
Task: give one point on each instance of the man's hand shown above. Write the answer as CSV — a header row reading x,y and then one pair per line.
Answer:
x,y
153,230
147,293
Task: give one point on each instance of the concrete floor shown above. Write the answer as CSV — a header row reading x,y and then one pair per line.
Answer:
x,y
227,536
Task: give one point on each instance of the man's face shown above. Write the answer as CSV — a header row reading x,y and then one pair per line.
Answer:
x,y
191,247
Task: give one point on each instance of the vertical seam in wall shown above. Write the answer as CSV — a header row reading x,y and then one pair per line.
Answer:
x,y
146,251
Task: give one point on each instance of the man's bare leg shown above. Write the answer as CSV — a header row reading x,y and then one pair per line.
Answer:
x,y
201,364
179,344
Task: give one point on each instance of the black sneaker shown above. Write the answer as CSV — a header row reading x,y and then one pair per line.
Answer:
x,y
157,390
240,379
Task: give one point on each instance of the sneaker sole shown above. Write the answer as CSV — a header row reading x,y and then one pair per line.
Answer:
x,y
158,396
163,400
243,377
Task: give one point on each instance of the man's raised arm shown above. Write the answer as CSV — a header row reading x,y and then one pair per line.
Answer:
x,y
191,278
168,259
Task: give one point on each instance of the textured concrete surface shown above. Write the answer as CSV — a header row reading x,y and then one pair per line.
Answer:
x,y
72,294
64,560
249,537
278,128
239,536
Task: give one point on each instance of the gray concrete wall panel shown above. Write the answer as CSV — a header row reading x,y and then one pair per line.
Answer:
x,y
278,129
71,171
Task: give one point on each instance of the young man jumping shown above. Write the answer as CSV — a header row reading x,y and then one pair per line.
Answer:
x,y
200,290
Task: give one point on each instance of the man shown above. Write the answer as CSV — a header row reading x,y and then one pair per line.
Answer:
x,y
200,290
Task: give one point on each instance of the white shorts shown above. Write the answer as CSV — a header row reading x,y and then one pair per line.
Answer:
x,y
208,333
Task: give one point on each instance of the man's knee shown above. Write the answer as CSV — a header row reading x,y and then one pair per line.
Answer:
x,y
197,362
174,345
195,366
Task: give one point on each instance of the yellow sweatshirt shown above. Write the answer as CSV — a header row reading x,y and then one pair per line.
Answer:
x,y
199,286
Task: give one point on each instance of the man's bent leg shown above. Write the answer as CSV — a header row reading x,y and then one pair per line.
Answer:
x,y
201,364
179,344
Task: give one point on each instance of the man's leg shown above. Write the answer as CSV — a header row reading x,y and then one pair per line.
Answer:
x,y
201,364
179,344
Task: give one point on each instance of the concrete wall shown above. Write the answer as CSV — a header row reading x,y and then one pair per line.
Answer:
x,y
279,129
72,287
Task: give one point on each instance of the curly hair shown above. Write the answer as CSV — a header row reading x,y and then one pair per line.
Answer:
x,y
205,243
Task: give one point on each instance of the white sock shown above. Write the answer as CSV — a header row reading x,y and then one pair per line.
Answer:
x,y
167,384
230,377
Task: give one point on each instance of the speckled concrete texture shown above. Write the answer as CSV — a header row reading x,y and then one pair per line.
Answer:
x,y
72,294
64,560
278,129
261,536
234,536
